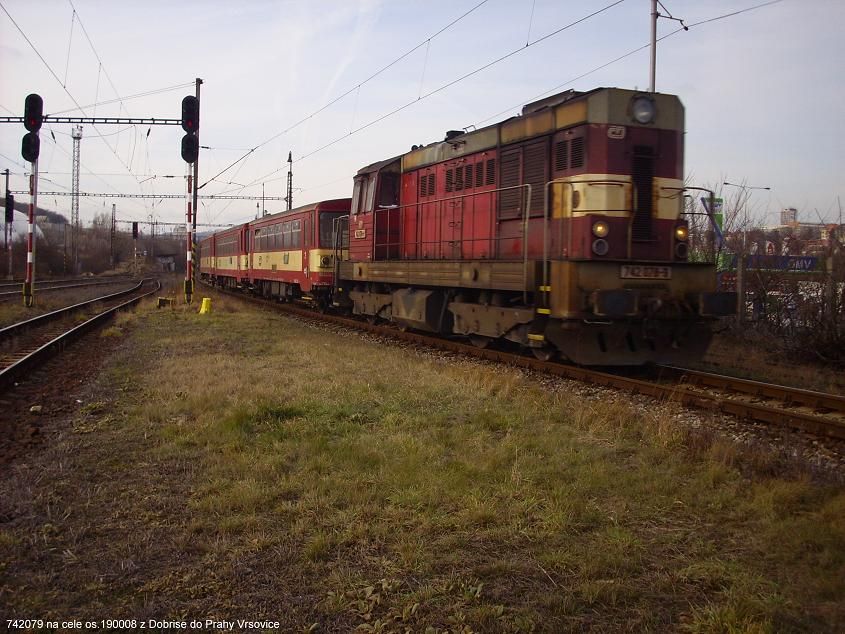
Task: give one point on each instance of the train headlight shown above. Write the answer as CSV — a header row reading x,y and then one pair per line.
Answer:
x,y
643,109
600,246
681,233
325,260
601,229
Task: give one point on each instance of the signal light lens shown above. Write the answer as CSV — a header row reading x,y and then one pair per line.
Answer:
x,y
681,233
601,229
33,112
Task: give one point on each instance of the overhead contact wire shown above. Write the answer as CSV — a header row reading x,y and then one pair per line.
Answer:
x,y
348,92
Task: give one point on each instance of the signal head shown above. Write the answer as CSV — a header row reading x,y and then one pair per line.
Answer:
x,y
30,147
190,148
10,208
190,114
33,112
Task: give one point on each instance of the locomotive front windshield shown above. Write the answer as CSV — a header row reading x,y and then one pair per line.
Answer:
x,y
326,228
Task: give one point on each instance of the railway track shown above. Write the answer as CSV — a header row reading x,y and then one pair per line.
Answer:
x,y
814,412
11,291
28,344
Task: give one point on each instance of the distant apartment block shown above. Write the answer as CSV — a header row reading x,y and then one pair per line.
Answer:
x,y
788,215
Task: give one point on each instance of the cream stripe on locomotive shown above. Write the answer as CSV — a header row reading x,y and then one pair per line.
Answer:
x,y
611,195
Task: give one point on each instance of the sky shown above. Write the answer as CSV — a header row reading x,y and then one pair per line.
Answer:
x,y
763,91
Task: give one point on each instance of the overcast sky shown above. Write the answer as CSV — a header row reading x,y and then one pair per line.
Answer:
x,y
763,90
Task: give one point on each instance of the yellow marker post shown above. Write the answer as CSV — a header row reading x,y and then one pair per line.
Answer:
x,y
205,308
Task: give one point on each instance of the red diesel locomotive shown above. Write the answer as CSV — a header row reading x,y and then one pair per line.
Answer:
x,y
560,229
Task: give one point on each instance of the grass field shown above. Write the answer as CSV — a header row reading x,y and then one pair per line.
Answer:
x,y
244,465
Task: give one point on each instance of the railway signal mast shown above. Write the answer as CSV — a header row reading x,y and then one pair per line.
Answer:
x,y
190,154
33,117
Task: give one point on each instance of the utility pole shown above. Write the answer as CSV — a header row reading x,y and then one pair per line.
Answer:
x,y
111,235
289,197
74,214
7,227
263,205
196,182
654,14
29,282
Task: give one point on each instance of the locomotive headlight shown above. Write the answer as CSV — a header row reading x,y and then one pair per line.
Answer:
x,y
643,109
325,260
681,233
601,229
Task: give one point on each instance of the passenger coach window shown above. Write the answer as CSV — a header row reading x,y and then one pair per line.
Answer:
x,y
286,236
327,229
296,234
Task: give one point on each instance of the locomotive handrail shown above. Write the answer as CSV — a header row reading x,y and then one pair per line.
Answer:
x,y
456,200
338,247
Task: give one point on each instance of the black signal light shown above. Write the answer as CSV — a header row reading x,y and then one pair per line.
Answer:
x,y
30,147
190,114
33,112
10,208
134,230
190,148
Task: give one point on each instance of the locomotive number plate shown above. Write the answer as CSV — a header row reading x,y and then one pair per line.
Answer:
x,y
645,272
360,233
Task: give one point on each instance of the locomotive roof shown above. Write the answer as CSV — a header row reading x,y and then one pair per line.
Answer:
x,y
563,110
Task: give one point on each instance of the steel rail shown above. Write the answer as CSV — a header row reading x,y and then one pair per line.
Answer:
x,y
4,295
815,424
17,370
17,282
789,395
21,326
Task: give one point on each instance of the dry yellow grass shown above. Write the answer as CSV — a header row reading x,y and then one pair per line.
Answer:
x,y
246,463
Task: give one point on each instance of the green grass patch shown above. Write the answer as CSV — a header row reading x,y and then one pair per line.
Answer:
x,y
368,487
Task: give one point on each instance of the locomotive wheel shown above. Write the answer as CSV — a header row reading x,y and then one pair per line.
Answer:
x,y
480,341
546,353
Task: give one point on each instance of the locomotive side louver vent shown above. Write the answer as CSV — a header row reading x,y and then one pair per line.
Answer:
x,y
431,184
577,157
534,174
642,172
509,199
561,155
450,180
459,178
491,172
468,176
479,175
